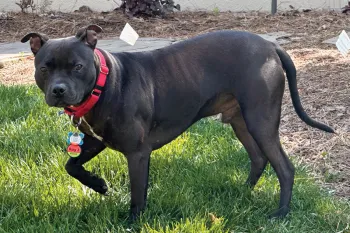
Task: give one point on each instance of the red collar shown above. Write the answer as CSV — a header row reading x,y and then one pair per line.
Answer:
x,y
88,104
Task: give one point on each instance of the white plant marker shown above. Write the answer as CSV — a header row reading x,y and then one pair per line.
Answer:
x,y
129,35
343,43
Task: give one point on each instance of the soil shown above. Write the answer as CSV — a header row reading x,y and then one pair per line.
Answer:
x,y
322,72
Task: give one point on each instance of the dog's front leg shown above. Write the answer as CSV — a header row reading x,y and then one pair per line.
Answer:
x,y
138,164
74,166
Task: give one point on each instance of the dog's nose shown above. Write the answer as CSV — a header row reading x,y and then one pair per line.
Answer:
x,y
58,90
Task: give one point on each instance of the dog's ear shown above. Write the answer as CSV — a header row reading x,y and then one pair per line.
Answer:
x,y
88,35
37,40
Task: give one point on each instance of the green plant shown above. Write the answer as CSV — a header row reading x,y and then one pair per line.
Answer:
x,y
216,10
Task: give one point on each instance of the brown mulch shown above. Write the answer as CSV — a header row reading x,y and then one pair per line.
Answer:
x,y
322,72
307,28
324,88
19,71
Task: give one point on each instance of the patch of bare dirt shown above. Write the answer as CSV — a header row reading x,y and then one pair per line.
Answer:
x,y
19,71
323,75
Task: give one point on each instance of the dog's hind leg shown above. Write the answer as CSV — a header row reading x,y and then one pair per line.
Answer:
x,y
257,159
74,166
262,120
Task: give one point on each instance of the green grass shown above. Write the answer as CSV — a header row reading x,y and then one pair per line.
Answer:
x,y
201,172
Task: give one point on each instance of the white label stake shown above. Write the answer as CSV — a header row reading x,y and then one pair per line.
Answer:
x,y
129,35
343,43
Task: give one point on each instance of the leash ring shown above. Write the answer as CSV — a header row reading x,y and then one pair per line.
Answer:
x,y
72,119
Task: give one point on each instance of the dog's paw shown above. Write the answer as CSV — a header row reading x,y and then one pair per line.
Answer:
x,y
133,218
100,186
135,212
280,213
102,190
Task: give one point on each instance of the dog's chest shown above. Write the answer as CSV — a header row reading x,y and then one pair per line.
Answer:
x,y
105,139
86,128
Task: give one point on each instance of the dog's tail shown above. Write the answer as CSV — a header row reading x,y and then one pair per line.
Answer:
x,y
290,70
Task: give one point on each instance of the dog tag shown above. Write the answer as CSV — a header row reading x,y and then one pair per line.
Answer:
x,y
60,113
75,140
129,35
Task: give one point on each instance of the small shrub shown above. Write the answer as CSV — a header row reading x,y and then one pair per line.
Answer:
x,y
25,5
216,10
41,6
148,7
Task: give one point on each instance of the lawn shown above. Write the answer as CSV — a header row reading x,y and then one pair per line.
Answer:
x,y
196,182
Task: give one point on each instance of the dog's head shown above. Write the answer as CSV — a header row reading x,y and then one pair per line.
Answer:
x,y
65,69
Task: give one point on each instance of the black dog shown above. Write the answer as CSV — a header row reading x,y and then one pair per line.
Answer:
x,y
150,98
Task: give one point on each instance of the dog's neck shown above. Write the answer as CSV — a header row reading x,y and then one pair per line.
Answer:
x,y
106,106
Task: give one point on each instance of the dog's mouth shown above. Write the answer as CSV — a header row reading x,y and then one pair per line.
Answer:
x,y
57,104
71,97
62,102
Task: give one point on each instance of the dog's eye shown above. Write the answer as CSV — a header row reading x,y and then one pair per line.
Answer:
x,y
78,67
43,69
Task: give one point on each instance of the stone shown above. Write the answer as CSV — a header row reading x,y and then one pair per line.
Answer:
x,y
277,37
